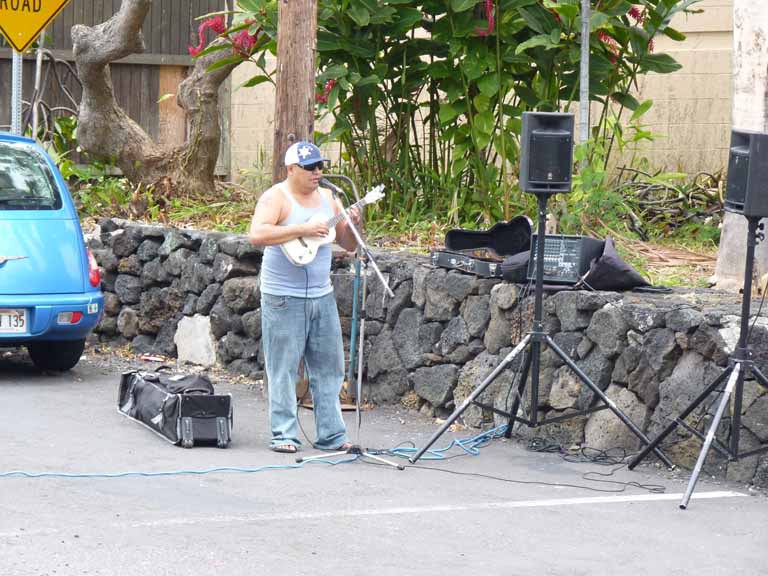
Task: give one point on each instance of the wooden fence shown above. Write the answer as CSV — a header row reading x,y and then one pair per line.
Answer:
x,y
140,80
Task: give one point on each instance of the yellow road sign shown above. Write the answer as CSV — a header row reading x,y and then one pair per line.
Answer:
x,y
21,21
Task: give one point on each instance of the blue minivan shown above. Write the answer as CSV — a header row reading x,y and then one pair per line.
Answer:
x,y
50,284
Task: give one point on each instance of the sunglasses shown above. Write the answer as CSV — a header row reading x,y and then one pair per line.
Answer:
x,y
314,166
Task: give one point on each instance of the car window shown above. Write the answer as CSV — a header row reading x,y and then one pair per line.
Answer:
x,y
26,182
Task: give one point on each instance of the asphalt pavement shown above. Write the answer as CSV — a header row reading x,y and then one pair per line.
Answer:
x,y
505,511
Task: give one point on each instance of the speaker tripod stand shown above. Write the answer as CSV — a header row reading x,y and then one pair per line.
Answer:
x,y
534,340
739,366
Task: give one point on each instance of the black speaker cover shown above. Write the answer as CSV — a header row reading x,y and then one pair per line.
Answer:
x,y
610,272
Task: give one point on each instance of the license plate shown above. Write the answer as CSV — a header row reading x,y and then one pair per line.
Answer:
x,y
13,321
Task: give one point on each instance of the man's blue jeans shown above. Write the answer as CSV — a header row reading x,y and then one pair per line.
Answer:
x,y
293,328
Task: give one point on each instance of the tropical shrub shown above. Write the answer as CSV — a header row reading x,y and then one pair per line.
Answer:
x,y
427,95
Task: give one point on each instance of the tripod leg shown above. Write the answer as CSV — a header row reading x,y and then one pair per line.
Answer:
x,y
760,376
608,402
735,375
683,415
383,461
738,395
322,456
518,395
471,398
535,374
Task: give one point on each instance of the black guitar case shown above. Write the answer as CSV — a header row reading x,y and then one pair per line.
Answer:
x,y
502,239
484,267
484,252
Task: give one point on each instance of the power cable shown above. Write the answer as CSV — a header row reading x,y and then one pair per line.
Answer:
x,y
470,446
128,474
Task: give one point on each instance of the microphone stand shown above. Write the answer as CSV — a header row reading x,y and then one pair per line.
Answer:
x,y
363,256
360,244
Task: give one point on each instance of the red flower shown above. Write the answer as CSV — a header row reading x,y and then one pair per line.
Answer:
x,y
607,40
243,43
488,16
322,97
216,24
650,45
637,15
611,45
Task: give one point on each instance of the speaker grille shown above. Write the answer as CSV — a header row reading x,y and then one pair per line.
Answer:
x,y
550,158
738,175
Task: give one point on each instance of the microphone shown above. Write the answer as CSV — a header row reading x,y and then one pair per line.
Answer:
x,y
331,187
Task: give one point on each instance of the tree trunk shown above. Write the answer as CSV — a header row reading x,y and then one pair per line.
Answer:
x,y
750,112
106,131
295,99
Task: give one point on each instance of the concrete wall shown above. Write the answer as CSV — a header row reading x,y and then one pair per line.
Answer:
x,y
692,107
252,129
691,114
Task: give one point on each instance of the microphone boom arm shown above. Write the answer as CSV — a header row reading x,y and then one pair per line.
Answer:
x,y
361,245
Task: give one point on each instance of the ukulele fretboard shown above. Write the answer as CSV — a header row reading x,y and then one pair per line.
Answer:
x,y
340,216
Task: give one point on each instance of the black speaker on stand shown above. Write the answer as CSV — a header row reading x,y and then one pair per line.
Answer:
x,y
546,164
546,153
746,191
746,194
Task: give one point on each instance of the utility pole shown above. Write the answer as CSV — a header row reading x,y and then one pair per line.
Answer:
x,y
294,102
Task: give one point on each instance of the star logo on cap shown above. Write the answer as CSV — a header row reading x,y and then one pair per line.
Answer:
x,y
305,151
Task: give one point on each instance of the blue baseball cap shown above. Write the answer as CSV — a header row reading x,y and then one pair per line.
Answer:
x,y
303,154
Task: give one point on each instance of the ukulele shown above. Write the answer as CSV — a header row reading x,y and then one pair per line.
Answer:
x,y
301,251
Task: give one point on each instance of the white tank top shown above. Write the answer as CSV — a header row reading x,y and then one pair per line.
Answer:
x,y
279,276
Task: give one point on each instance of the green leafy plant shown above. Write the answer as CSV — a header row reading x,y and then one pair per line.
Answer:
x,y
96,188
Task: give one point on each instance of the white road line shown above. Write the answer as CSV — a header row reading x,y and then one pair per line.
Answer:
x,y
419,510
410,510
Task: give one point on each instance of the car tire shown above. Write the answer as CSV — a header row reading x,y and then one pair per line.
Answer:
x,y
58,355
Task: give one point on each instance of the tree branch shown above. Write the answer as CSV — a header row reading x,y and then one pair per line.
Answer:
x,y
106,131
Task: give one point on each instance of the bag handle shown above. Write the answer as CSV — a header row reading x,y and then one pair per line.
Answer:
x,y
196,391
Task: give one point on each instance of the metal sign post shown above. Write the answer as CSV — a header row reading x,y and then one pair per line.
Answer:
x,y
16,84
38,80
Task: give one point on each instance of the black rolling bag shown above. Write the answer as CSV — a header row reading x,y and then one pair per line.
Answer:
x,y
183,409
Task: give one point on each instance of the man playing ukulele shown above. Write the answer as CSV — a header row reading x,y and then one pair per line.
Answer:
x,y
298,308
